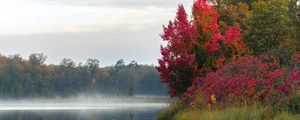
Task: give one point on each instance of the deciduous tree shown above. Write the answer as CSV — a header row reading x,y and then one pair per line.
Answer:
x,y
196,46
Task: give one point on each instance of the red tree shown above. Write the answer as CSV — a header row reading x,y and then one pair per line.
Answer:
x,y
177,67
195,47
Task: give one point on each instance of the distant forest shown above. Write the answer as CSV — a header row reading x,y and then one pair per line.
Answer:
x,y
20,78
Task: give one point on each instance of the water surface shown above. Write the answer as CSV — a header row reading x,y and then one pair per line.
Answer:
x,y
137,108
125,114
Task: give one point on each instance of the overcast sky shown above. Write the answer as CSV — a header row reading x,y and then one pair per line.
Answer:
x,y
107,30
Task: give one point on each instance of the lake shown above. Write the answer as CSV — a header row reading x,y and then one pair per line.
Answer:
x,y
117,108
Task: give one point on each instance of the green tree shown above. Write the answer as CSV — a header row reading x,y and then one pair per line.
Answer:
x,y
120,63
230,2
37,58
294,12
68,63
234,14
93,65
271,30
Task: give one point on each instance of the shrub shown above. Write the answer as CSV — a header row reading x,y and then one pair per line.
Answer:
x,y
249,80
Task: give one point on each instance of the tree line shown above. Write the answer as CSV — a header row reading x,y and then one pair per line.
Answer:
x,y
31,77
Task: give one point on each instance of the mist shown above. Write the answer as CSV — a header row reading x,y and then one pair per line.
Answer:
x,y
85,102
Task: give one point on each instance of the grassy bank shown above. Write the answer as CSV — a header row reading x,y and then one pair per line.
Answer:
x,y
178,112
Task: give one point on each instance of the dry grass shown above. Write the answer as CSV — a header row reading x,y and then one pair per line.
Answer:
x,y
234,113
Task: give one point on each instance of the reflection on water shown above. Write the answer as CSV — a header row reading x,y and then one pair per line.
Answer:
x,y
134,108
125,114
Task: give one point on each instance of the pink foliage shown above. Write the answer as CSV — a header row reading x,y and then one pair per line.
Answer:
x,y
256,78
178,57
189,43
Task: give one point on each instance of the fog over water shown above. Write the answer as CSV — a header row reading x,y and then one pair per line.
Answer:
x,y
86,103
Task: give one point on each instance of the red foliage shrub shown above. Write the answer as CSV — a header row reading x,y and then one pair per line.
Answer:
x,y
248,78
295,60
294,79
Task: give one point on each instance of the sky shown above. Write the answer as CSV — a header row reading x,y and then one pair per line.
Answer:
x,y
107,30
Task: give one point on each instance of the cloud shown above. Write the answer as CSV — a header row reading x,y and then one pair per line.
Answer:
x,y
119,3
79,29
40,16
107,45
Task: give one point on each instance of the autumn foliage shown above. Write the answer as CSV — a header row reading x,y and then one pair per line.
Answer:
x,y
248,79
195,47
234,53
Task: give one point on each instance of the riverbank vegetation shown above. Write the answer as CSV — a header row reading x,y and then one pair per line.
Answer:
x,y
30,78
233,60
